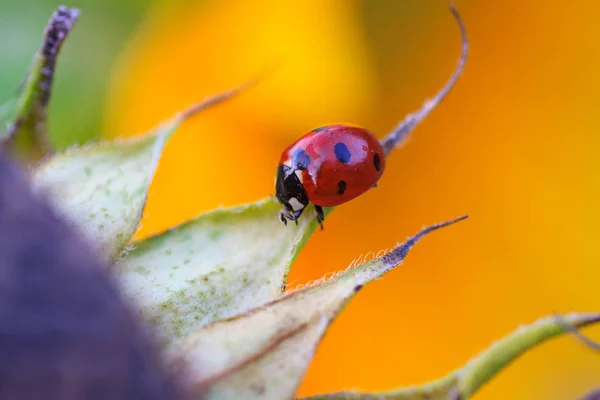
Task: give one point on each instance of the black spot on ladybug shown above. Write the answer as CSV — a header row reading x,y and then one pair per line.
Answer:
x,y
341,187
342,153
377,162
320,129
300,160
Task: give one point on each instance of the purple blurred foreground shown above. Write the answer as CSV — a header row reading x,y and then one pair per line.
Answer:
x,y
64,331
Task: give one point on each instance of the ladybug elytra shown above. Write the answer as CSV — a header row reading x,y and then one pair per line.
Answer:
x,y
327,166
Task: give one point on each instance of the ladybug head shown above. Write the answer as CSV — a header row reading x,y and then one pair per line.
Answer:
x,y
290,193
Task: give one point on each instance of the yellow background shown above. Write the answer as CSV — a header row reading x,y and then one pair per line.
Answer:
x,y
516,145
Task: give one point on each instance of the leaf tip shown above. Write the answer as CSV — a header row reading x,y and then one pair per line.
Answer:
x,y
27,134
65,15
219,98
394,257
60,24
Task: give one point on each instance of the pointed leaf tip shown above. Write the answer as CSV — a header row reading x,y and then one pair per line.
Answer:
x,y
219,98
27,135
263,354
103,187
394,257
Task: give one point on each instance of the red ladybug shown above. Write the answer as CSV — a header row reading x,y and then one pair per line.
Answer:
x,y
328,166
334,164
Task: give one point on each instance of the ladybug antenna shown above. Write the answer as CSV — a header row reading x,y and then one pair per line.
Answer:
x,y
411,120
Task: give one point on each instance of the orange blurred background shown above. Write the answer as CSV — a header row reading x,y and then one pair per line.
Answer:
x,y
515,145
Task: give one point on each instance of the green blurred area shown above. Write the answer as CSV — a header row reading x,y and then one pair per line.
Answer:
x,y
85,63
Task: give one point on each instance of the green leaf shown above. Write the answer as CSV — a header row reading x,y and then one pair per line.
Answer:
x,y
218,265
464,382
102,187
264,353
27,135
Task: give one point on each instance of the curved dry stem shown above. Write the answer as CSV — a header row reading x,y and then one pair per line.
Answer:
x,y
395,137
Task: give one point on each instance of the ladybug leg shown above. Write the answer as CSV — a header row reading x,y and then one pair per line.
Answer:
x,y
320,215
284,215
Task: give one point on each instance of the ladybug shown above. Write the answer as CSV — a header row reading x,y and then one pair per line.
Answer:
x,y
334,164
327,166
